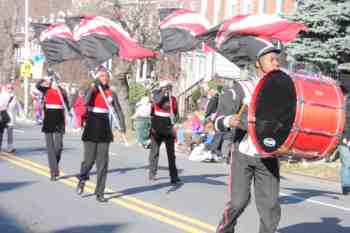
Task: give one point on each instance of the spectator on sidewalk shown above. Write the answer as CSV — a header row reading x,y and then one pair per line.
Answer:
x,y
37,104
142,121
9,101
343,147
212,105
10,105
79,110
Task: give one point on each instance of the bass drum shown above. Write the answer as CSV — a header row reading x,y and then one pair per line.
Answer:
x,y
296,115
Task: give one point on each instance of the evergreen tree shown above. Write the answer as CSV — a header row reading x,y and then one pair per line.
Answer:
x,y
327,41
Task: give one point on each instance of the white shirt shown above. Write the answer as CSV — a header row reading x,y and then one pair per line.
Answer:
x,y
12,108
246,146
143,110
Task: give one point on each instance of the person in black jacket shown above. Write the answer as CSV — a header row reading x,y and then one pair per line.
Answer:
x,y
247,165
163,116
212,103
55,104
97,134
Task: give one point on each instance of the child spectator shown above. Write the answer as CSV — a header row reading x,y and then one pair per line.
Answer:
x,y
79,110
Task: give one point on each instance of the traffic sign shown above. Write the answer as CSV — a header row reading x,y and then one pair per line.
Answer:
x,y
26,69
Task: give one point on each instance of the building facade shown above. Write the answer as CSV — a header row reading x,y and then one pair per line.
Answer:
x,y
39,11
198,66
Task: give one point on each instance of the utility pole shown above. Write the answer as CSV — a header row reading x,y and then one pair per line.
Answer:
x,y
26,56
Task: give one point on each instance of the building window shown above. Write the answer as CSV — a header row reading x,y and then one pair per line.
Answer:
x,y
262,6
247,7
279,6
232,8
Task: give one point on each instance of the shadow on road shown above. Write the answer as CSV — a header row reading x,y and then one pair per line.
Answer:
x,y
205,179
300,195
9,224
327,225
23,151
105,228
119,170
146,188
8,186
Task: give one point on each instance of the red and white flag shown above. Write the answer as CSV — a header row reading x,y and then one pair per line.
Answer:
x,y
179,28
57,42
100,38
236,37
263,26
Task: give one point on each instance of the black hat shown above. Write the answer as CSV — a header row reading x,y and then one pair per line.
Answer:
x,y
265,47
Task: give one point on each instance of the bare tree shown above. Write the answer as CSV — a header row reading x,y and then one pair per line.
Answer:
x,y
140,21
8,22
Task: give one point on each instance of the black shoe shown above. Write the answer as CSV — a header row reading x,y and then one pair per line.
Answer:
x,y
346,190
54,178
80,187
175,181
101,198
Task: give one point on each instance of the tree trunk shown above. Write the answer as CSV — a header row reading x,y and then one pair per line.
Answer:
x,y
121,69
8,65
122,91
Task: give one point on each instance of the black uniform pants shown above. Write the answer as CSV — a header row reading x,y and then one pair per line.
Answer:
x,y
265,174
54,144
95,152
156,141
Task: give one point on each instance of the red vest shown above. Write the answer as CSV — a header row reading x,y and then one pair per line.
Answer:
x,y
98,104
165,112
52,99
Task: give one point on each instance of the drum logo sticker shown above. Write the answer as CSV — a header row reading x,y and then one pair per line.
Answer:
x,y
269,142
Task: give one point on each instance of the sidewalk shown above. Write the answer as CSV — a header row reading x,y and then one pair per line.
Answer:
x,y
318,170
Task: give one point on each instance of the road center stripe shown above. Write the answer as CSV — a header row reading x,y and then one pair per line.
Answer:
x,y
128,202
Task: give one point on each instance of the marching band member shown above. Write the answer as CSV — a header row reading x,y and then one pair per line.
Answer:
x,y
97,134
246,163
54,120
163,113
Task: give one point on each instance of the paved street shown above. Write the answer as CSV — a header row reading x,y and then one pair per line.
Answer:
x,y
31,203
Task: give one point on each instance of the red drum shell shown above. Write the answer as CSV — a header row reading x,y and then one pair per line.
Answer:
x,y
296,115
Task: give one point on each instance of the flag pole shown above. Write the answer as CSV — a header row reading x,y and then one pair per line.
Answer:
x,y
26,55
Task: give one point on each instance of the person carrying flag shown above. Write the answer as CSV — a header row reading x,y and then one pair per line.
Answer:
x,y
163,114
55,104
97,135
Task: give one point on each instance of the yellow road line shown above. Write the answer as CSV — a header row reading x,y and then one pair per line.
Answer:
x,y
122,201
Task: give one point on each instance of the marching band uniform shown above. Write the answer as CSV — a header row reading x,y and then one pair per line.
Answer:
x,y
97,136
162,130
225,108
246,165
54,123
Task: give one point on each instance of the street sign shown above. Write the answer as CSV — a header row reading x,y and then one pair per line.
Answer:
x,y
38,59
37,69
26,69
